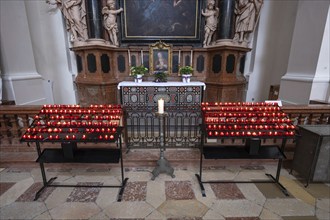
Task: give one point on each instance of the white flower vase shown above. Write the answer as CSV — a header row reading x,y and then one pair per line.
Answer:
x,y
138,78
186,78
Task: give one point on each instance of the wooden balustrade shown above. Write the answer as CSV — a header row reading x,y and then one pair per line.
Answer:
x,y
14,120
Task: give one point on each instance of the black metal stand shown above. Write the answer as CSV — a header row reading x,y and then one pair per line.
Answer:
x,y
83,156
163,166
232,152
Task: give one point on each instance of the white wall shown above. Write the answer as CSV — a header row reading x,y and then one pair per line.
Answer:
x,y
321,82
267,62
296,84
21,82
52,52
35,56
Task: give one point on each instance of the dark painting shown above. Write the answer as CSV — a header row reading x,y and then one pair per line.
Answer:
x,y
146,20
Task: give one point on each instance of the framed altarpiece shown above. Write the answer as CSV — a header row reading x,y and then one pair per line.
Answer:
x,y
173,21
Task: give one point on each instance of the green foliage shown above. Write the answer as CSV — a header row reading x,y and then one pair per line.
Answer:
x,y
138,70
186,70
160,76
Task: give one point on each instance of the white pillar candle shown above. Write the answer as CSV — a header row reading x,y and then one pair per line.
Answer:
x,y
191,58
141,57
179,57
129,57
161,106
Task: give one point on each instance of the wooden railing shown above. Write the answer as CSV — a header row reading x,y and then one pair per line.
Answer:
x,y
14,120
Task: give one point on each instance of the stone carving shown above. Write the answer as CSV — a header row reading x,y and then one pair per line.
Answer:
x,y
247,14
211,14
109,20
74,13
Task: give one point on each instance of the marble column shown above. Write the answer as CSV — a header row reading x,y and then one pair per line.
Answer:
x,y
21,81
226,25
94,19
305,53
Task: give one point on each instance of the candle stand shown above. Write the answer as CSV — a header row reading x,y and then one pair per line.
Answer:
x,y
163,166
250,122
70,125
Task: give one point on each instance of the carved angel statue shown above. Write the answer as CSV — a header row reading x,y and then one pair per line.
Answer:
x,y
109,20
211,13
75,17
247,15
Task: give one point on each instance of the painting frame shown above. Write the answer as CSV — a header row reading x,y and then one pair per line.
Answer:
x,y
158,51
178,22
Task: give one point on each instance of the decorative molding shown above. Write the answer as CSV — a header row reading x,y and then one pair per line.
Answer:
x,y
298,77
20,76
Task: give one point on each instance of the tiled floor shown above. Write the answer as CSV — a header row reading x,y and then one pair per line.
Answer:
x,y
163,198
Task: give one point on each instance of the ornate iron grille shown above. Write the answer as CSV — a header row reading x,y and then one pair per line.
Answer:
x,y
181,127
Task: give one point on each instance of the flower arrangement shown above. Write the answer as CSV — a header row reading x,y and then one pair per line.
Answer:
x,y
138,70
186,70
160,76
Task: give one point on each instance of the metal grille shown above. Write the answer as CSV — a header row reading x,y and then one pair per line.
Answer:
x,y
181,128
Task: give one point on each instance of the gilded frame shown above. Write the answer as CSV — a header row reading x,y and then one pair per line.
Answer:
x,y
160,51
147,21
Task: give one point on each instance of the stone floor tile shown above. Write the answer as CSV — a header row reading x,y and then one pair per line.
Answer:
x,y
218,175
74,210
237,208
59,169
15,191
85,194
252,167
141,175
155,193
99,216
13,175
226,191
43,216
22,210
155,205
268,215
179,190
91,177
29,194
104,170
323,204
271,190
300,218
184,175
5,186
186,218
243,218
289,207
124,210
58,197
322,215
297,191
113,180
252,193
251,175
63,178
155,215
213,214
182,209
135,191
210,197
318,190
107,196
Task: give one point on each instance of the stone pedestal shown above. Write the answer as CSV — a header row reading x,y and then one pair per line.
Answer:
x,y
225,81
100,68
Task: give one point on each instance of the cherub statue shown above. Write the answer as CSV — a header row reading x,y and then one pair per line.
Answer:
x,y
247,14
75,17
109,20
211,13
